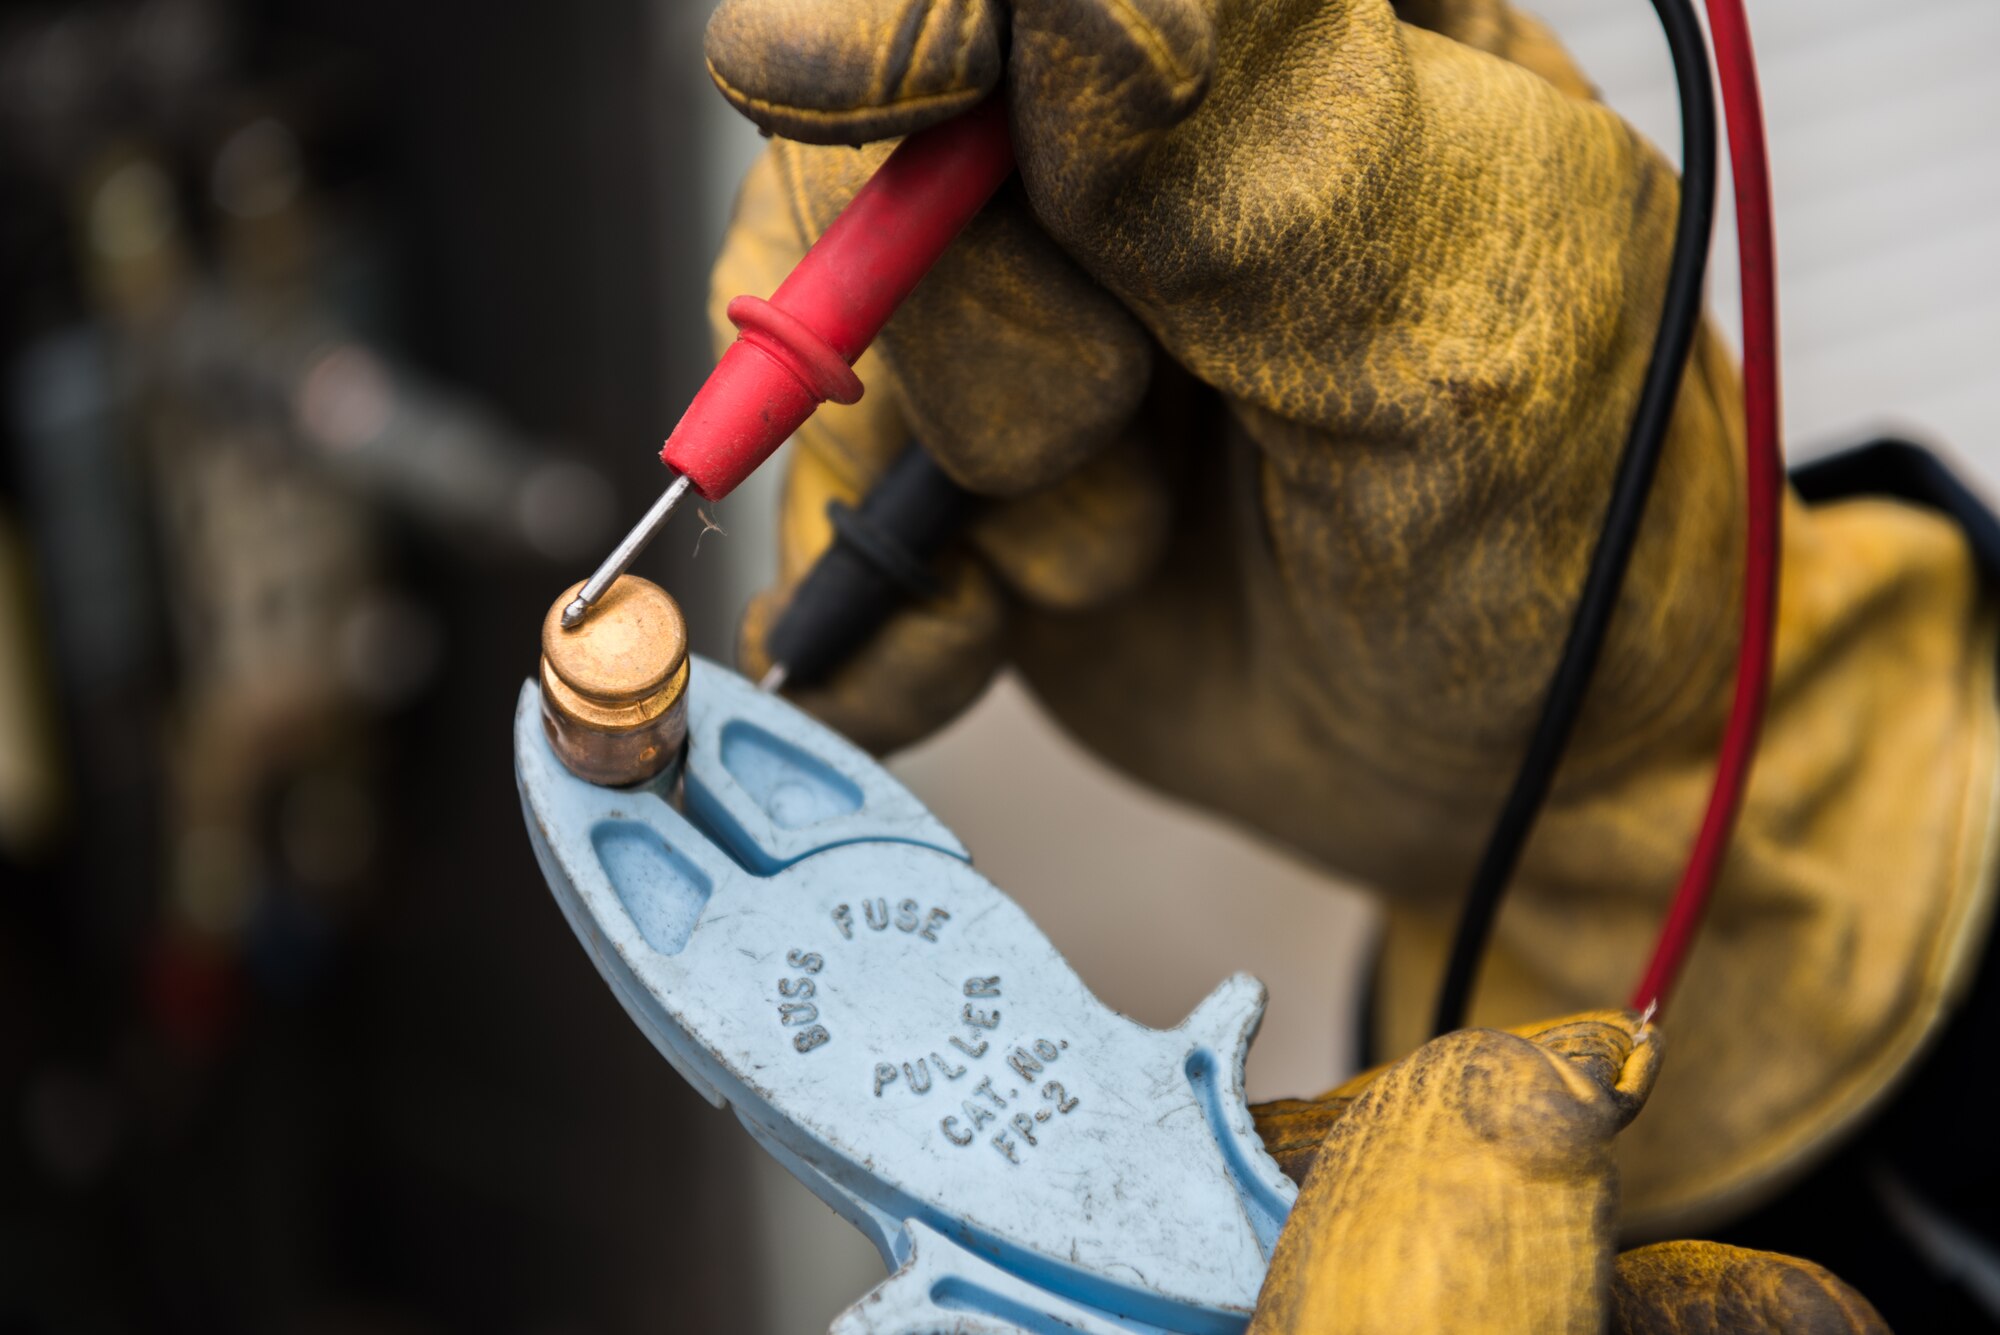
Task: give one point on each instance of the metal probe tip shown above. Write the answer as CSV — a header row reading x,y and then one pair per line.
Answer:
x,y
773,681
626,552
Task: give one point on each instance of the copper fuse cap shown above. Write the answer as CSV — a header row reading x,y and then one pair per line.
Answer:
x,y
614,689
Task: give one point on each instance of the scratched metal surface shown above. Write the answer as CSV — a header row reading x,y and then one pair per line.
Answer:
x,y
809,945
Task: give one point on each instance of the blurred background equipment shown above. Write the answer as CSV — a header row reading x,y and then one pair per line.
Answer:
x,y
335,338
330,331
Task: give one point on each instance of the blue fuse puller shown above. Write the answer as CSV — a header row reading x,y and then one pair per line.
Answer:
x,y
807,944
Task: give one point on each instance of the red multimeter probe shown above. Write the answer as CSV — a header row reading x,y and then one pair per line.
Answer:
x,y
798,349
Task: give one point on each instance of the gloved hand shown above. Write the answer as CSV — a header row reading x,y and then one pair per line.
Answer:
x,y
1470,1187
1298,358
1296,313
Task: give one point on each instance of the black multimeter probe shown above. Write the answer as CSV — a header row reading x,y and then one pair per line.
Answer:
x,y
883,554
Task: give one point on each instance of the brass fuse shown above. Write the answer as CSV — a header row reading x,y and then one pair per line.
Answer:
x,y
614,687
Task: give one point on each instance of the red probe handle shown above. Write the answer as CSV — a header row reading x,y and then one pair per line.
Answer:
x,y
797,350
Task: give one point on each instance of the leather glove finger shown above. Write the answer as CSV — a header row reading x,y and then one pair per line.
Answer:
x,y
1086,539
1470,1187
1600,1043
1706,1288
855,71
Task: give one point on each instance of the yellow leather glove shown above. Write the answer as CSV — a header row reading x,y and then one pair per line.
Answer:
x,y
1705,1288
1470,1187
1298,358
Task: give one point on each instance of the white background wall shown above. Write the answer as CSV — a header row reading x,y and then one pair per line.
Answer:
x,y
1885,124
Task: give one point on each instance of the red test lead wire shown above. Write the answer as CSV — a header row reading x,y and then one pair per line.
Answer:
x,y
797,350
1743,115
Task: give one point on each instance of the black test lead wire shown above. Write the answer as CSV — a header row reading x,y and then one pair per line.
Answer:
x,y
1679,314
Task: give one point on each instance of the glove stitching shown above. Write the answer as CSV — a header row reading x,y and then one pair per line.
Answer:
x,y
968,21
751,104
1161,54
903,55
